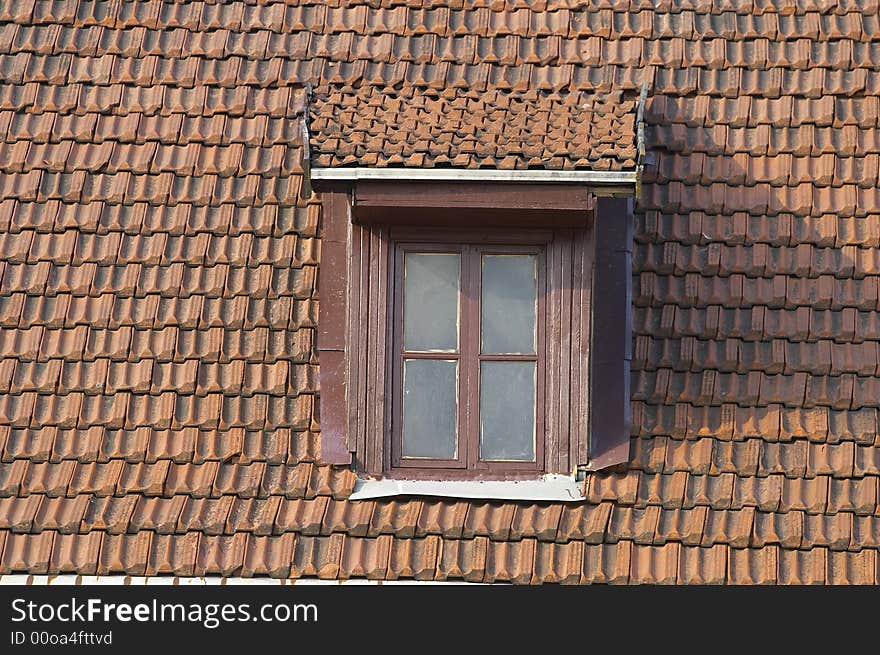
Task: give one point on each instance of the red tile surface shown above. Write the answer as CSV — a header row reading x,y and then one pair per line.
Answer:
x,y
158,262
376,126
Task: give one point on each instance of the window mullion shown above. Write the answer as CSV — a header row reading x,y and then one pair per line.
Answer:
x,y
470,354
463,386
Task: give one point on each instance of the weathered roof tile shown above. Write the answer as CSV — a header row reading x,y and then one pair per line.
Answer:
x,y
159,262
356,128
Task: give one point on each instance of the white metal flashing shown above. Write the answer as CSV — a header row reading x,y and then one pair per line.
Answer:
x,y
140,581
558,488
474,175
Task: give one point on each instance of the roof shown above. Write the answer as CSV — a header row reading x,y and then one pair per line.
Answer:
x,y
158,311
423,128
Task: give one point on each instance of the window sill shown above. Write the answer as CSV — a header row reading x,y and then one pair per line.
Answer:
x,y
558,488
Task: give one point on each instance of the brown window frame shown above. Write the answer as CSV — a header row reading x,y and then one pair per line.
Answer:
x,y
369,362
588,311
471,245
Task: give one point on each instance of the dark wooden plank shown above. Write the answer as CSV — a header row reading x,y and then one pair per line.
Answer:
x,y
354,343
333,282
580,350
370,463
612,334
376,392
381,395
541,433
334,449
363,346
468,204
332,320
472,235
539,197
555,301
472,216
469,346
565,239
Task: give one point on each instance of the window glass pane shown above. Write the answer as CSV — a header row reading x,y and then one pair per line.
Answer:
x,y
430,408
509,293
507,411
430,304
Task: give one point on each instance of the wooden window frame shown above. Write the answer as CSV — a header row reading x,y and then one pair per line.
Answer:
x,y
472,246
361,222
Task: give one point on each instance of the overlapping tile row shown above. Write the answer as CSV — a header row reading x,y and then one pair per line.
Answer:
x,y
158,257
431,559
159,252
754,409
375,126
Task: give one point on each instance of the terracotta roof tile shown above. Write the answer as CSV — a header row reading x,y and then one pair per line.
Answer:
x,y
11,476
621,488
351,518
703,565
146,479
637,525
803,567
489,519
365,557
46,478
538,521
193,479
317,556
514,562
763,493
607,563
587,522
110,514
82,445
442,517
258,516
463,559
35,445
394,517
289,481
157,514
27,553
858,496
556,563
387,127
173,554
732,527
100,479
413,558
76,553
217,446
269,556
160,256
19,513
104,410
221,555
264,446
208,516
655,564
852,568
239,479
129,445
62,514
753,566
685,526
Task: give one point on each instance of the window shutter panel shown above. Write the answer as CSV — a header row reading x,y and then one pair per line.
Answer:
x,y
611,350
332,283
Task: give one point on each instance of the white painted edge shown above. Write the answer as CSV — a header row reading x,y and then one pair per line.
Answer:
x,y
558,488
201,581
474,175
